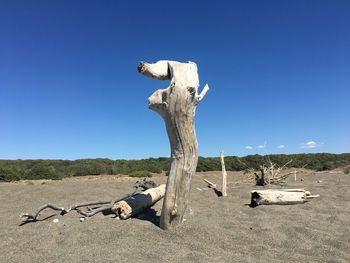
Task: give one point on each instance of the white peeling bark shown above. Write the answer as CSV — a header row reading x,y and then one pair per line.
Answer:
x,y
177,105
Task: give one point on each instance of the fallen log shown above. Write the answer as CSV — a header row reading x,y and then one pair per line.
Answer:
x,y
87,209
280,197
135,204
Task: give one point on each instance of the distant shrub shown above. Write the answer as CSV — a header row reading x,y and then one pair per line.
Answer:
x,y
41,171
56,169
347,170
82,169
140,174
8,175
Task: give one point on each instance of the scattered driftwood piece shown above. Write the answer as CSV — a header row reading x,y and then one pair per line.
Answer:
x,y
280,197
272,174
26,217
177,105
90,208
137,203
210,184
213,186
224,174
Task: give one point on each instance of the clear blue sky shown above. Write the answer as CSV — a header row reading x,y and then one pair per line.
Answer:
x,y
278,71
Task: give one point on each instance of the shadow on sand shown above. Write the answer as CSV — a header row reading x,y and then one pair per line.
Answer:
x,y
149,215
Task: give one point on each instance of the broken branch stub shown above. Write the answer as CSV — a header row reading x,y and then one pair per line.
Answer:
x,y
177,104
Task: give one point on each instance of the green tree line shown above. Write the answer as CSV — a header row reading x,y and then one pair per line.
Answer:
x,y
12,170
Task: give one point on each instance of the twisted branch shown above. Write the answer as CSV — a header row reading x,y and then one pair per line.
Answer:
x,y
99,206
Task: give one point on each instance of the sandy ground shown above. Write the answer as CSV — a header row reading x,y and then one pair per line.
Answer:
x,y
216,229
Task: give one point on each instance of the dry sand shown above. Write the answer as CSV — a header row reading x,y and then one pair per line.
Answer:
x,y
216,229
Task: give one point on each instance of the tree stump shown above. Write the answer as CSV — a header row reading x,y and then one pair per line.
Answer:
x,y
177,104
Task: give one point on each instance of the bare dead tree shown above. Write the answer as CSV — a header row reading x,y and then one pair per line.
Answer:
x,y
272,174
177,105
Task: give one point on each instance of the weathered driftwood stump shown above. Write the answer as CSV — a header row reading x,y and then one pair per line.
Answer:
x,y
177,105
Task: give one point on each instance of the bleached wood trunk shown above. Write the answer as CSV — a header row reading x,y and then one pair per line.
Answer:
x,y
139,202
177,105
224,174
280,197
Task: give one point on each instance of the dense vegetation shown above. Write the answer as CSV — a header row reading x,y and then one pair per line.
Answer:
x,y
12,170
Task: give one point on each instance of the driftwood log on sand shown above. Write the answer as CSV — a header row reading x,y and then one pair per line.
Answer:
x,y
280,197
210,184
137,203
89,209
177,105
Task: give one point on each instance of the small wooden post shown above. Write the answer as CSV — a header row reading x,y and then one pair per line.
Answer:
x,y
224,174
295,175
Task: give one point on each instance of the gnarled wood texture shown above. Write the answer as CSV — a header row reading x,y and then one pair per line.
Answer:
x,y
177,105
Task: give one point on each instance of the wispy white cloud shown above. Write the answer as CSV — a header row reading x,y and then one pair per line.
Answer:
x,y
262,146
248,147
310,145
281,146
